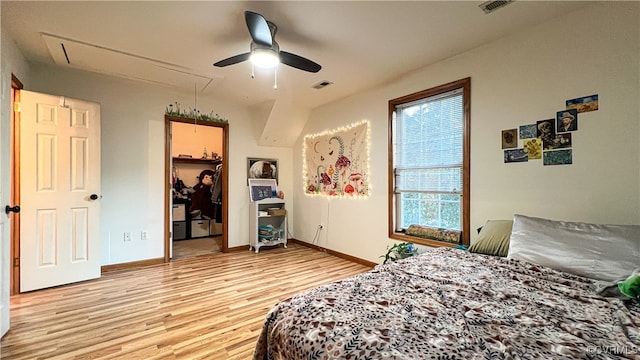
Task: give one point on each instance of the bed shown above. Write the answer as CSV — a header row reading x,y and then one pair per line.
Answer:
x,y
453,304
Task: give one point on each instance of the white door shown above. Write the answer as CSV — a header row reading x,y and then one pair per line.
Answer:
x,y
59,191
5,239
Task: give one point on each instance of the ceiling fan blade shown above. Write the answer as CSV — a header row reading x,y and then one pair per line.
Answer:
x,y
258,28
299,62
233,60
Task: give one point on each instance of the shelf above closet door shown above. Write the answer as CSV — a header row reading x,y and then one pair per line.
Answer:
x,y
178,160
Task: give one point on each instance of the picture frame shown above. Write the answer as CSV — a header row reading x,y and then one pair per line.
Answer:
x,y
260,168
262,189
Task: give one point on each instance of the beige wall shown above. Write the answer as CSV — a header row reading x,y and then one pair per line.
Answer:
x,y
514,81
190,139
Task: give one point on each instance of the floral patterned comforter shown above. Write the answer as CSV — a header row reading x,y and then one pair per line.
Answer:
x,y
452,304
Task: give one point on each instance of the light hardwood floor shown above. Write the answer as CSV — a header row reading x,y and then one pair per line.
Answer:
x,y
205,307
195,247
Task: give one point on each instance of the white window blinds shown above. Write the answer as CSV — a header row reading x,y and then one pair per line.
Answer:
x,y
428,144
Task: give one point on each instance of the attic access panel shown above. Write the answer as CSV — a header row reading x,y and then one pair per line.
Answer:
x,y
102,60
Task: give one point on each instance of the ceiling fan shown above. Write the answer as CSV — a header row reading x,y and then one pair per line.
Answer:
x,y
264,50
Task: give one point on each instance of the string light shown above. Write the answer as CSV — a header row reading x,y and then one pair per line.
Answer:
x,y
308,138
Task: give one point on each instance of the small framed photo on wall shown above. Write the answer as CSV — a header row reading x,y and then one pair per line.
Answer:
x,y
258,168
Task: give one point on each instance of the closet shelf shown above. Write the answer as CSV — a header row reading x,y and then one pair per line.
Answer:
x,y
178,160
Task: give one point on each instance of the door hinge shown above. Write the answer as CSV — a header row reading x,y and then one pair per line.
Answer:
x,y
16,262
16,107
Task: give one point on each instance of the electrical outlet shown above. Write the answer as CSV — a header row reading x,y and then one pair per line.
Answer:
x,y
144,235
127,236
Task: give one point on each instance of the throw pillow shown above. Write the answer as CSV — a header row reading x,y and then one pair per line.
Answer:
x,y
493,238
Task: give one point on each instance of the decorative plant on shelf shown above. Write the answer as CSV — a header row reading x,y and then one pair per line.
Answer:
x,y
400,251
174,110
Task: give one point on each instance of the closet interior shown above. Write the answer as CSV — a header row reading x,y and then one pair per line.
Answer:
x,y
196,185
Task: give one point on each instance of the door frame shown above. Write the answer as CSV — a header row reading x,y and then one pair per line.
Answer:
x,y
168,119
14,222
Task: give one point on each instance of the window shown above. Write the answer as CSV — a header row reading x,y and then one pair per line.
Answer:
x,y
429,172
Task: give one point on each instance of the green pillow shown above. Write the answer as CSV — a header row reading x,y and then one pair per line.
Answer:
x,y
493,238
631,286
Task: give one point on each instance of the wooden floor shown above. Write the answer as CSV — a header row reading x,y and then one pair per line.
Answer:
x,y
205,307
195,247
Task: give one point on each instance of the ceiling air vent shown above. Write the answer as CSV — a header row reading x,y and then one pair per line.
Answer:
x,y
491,6
322,84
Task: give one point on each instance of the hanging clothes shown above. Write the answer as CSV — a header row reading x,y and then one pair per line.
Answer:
x,y
216,188
216,193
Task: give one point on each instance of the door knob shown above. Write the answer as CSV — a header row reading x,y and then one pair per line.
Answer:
x,y
94,197
15,209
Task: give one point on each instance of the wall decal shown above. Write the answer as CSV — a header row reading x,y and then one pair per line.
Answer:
x,y
528,131
558,157
509,138
546,132
549,139
583,104
561,141
533,147
515,155
567,120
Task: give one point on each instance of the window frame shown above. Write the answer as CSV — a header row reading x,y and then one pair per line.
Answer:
x,y
465,85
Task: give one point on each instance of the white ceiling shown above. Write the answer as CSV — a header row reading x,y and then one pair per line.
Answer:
x,y
360,44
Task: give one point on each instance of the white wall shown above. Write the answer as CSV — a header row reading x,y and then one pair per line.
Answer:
x,y
133,157
132,162
132,137
514,81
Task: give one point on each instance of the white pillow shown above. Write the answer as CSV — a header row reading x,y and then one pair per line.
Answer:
x,y
602,252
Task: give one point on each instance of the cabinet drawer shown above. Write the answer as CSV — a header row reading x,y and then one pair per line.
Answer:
x,y
179,230
199,228
179,213
215,228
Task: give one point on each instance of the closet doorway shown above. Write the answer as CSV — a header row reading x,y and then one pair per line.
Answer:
x,y
196,201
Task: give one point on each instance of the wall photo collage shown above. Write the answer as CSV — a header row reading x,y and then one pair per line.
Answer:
x,y
548,139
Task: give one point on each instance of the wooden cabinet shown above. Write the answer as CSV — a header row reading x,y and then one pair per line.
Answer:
x,y
267,223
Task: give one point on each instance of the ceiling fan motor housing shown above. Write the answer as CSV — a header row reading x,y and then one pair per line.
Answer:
x,y
264,50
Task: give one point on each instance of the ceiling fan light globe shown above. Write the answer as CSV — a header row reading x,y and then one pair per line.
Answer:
x,y
264,58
